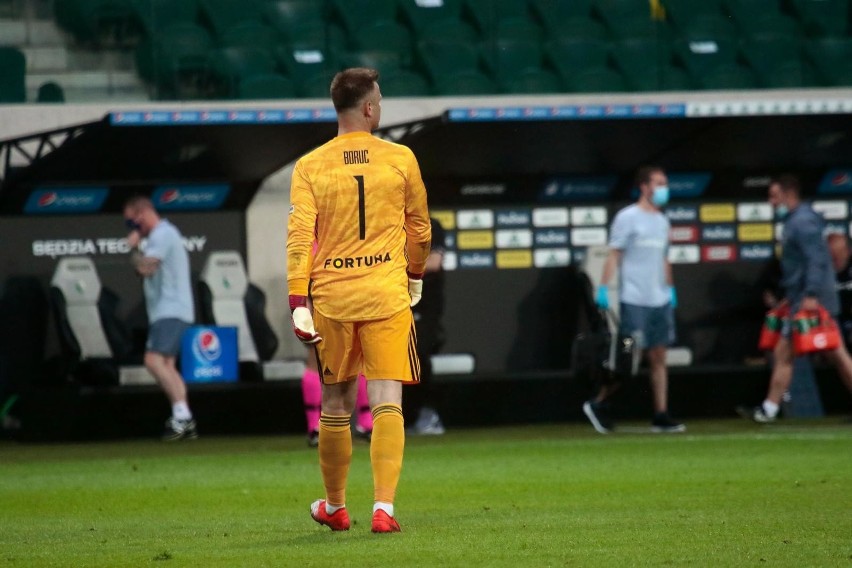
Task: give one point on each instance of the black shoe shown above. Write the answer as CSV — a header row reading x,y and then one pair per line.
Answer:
x,y
179,430
313,439
363,433
598,415
663,423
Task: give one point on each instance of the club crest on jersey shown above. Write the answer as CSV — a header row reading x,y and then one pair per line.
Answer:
x,y
357,261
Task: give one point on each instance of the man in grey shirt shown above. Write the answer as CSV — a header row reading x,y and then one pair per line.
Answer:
x,y
638,247
808,281
163,263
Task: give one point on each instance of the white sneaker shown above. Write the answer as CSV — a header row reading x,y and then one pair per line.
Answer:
x,y
428,423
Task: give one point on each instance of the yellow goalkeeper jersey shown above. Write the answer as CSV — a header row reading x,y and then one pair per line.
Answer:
x,y
363,200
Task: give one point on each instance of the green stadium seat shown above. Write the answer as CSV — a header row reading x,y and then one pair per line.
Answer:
x,y
153,15
708,26
570,55
674,78
230,65
249,34
286,16
95,22
13,65
728,77
820,18
449,30
50,92
533,81
701,55
385,62
755,18
626,18
315,87
302,64
597,80
442,57
385,36
775,60
265,86
642,62
579,27
423,14
505,58
178,51
484,14
681,12
220,15
465,83
831,59
548,11
515,28
356,14
404,83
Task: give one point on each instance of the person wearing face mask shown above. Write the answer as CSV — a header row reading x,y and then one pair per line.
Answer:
x,y
808,281
638,248
163,264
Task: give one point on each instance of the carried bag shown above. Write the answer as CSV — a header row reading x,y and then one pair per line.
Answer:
x,y
814,331
770,333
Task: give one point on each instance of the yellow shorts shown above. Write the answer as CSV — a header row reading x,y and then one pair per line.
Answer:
x,y
383,349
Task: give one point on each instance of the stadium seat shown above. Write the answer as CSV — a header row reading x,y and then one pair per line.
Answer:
x,y
547,11
465,83
533,81
356,14
385,35
449,30
831,59
385,62
442,57
776,61
728,77
13,65
404,83
681,12
515,28
700,55
266,86
570,55
422,14
95,21
674,78
506,58
642,62
316,86
706,26
598,80
580,27
484,14
230,65
227,298
249,34
821,18
153,15
178,53
50,92
286,16
219,15
627,18
310,52
755,18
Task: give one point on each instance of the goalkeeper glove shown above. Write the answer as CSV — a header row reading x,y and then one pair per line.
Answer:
x,y
415,287
602,299
303,322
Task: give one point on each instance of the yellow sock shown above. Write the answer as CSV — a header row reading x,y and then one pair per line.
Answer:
x,y
335,455
386,447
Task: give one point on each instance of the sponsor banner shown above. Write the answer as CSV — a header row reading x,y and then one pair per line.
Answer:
x,y
54,248
750,232
686,186
475,219
545,258
588,236
241,116
483,189
684,254
755,212
836,181
757,182
726,232
588,216
717,213
831,210
757,252
181,197
449,240
450,260
718,253
475,239
682,213
480,259
550,217
48,201
683,234
209,354
514,218
514,238
835,227
514,259
779,231
566,112
447,219
584,188
552,238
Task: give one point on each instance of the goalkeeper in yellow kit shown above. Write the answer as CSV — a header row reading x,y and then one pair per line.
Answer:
x,y
363,200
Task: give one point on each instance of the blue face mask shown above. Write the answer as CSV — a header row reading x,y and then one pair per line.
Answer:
x,y
660,196
781,211
132,225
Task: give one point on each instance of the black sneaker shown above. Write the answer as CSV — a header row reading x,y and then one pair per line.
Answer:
x,y
363,433
598,415
663,423
313,438
179,430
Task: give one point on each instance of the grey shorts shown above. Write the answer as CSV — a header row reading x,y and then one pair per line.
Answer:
x,y
164,336
651,326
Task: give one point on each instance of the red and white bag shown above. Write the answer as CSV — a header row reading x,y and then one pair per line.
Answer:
x,y
814,331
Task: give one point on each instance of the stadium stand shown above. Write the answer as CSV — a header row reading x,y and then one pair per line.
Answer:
x,y
12,75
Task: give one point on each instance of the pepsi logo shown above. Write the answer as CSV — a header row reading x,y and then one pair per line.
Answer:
x,y
169,196
840,179
207,345
47,199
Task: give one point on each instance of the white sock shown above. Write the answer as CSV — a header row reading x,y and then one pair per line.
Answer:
x,y
180,410
386,507
332,509
770,408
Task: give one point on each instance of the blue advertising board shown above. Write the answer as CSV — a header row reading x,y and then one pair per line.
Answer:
x,y
209,354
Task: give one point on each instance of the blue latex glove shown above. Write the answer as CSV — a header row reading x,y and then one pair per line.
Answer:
x,y
672,297
602,298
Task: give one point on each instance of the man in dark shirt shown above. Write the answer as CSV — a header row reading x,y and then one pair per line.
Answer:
x,y
838,246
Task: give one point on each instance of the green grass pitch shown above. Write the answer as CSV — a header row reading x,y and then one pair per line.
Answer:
x,y
727,493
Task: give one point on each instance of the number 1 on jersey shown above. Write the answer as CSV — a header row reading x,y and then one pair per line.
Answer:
x,y
361,214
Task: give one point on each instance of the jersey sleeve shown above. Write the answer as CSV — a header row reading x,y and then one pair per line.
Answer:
x,y
300,232
418,227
